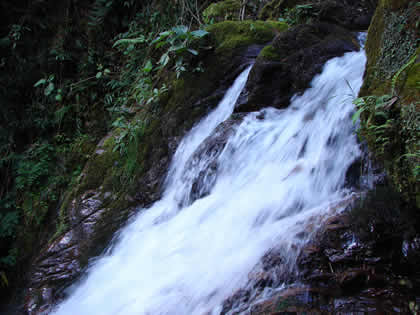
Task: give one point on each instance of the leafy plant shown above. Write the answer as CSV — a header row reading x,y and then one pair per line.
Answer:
x,y
374,105
129,132
179,40
301,13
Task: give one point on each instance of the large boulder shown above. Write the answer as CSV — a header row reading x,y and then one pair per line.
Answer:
x,y
288,65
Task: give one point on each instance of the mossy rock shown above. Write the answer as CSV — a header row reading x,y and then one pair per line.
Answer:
x,y
392,40
223,10
230,35
393,69
410,90
288,65
270,53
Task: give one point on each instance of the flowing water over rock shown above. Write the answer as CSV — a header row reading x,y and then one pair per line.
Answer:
x,y
276,178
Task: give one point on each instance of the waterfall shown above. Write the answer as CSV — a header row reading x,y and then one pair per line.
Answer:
x,y
280,173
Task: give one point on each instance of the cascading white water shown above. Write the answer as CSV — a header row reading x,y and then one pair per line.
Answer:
x,y
280,173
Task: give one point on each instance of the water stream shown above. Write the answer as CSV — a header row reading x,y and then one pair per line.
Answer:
x,y
280,173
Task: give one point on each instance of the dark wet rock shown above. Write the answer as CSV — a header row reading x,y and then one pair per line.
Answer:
x,y
63,260
353,174
338,272
354,15
351,14
291,62
206,158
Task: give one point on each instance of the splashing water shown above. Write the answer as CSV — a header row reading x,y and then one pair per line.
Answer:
x,y
280,173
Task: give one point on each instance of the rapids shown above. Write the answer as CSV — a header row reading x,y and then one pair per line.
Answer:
x,y
280,173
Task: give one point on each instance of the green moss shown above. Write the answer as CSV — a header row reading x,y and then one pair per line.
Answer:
x,y
230,35
412,84
278,26
98,168
390,44
269,53
223,10
390,47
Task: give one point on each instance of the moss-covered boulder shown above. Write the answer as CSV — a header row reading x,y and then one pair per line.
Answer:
x,y
287,66
229,36
392,77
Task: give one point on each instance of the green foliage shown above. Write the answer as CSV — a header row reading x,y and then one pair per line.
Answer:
x,y
130,132
177,40
374,105
300,14
8,223
34,167
377,124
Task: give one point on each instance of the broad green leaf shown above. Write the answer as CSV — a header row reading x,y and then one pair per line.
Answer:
x,y
160,44
40,82
180,30
161,37
164,34
49,89
99,75
193,51
199,33
139,40
148,67
356,115
164,59
178,48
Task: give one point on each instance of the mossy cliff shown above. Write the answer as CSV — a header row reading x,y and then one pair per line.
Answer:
x,y
392,49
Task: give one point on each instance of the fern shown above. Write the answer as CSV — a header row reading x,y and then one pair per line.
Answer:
x,y
403,68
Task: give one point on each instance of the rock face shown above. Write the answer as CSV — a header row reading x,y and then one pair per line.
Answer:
x,y
338,273
288,65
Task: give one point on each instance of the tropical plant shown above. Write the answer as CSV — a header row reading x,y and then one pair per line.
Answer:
x,y
178,40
